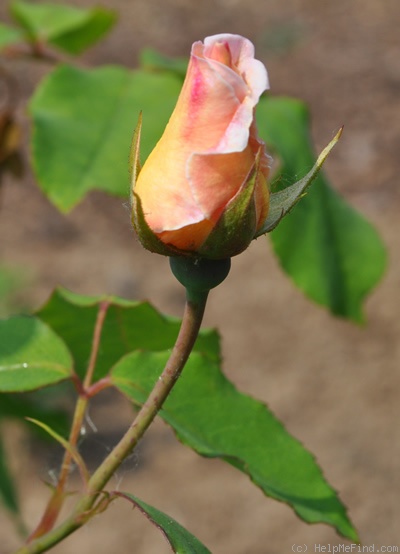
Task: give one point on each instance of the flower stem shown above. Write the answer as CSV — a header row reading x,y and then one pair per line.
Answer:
x,y
188,333
56,501
85,508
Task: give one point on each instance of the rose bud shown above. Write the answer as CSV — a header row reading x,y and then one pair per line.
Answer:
x,y
203,191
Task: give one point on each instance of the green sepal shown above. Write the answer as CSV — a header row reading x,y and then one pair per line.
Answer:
x,y
149,240
69,28
134,154
237,225
283,201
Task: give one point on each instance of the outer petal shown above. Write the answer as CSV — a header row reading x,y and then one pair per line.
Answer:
x,y
206,107
216,178
214,96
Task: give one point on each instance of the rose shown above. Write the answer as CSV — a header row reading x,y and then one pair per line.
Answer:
x,y
203,190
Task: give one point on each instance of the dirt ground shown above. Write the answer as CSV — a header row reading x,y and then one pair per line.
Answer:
x,y
335,386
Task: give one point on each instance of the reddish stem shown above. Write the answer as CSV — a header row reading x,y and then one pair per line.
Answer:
x,y
85,391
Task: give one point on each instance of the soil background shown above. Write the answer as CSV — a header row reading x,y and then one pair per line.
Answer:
x,y
335,385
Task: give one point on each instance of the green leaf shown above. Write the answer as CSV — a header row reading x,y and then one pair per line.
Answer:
x,y
208,414
8,493
69,28
329,250
83,122
9,35
127,326
180,540
98,22
31,355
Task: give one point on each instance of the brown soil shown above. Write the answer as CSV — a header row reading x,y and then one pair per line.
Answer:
x,y
333,384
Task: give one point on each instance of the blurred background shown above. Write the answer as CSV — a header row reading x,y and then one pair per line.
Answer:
x,y
335,385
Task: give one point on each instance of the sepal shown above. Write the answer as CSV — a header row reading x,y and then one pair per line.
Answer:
x,y
237,225
283,201
149,240
134,154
